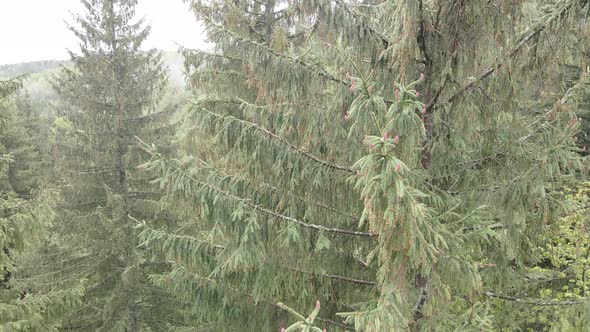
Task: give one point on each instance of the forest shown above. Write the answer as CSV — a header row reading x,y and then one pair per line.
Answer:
x,y
325,165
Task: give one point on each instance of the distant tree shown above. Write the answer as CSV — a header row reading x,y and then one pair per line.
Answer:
x,y
26,212
108,97
27,137
398,161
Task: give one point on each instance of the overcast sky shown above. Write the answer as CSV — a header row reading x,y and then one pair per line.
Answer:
x,y
34,30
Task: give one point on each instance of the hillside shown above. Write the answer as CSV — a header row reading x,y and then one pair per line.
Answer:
x,y
11,70
38,86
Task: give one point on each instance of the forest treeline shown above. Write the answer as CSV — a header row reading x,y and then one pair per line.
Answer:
x,y
330,165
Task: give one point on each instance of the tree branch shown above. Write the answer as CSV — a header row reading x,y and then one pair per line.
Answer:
x,y
280,139
316,69
523,40
335,277
386,42
535,302
281,216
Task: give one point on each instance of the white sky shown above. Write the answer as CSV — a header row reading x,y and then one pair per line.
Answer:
x,y
34,30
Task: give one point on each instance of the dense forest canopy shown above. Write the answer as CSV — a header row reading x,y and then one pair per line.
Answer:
x,y
330,165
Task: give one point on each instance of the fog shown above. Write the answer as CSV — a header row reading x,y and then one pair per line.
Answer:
x,y
35,30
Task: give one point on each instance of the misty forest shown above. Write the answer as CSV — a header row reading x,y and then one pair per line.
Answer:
x,y
322,165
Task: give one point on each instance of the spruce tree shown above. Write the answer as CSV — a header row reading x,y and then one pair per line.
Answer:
x,y
26,137
109,96
398,162
26,212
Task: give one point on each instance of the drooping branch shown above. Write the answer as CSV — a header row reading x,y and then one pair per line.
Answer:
x,y
7,210
279,139
149,235
287,218
335,277
314,68
187,50
10,86
523,40
277,215
274,304
386,42
296,197
534,302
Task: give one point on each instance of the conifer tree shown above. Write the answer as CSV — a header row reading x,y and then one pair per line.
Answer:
x,y
26,137
396,161
26,211
109,96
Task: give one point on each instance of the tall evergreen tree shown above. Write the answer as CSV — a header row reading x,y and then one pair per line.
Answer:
x,y
26,211
397,161
108,98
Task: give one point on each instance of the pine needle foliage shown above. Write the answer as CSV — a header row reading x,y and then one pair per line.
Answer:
x,y
26,212
554,296
108,97
395,160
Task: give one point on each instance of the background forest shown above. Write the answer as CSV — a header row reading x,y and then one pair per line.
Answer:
x,y
327,165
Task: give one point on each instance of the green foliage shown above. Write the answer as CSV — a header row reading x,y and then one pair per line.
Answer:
x,y
25,137
396,160
8,87
108,96
410,165
26,212
556,288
